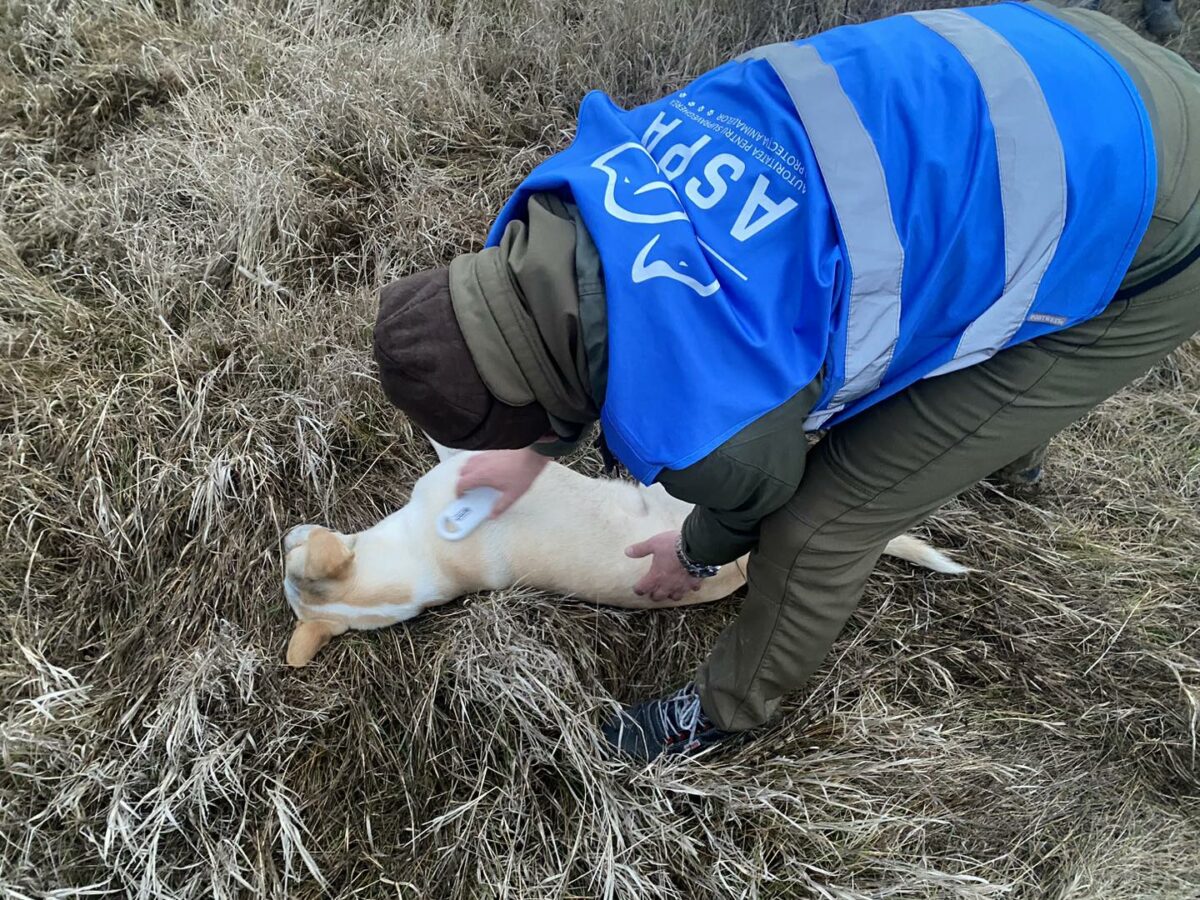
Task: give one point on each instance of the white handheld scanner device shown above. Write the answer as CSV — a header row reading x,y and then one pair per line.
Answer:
x,y
465,514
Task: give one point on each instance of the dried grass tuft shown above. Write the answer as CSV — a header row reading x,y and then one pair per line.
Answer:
x,y
197,200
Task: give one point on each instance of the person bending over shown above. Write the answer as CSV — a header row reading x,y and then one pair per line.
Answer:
x,y
939,238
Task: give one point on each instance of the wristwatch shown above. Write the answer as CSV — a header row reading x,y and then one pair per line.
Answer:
x,y
695,569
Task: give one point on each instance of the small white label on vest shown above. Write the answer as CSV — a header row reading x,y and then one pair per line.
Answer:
x,y
1047,319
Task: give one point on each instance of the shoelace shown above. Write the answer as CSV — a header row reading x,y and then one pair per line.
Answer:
x,y
681,712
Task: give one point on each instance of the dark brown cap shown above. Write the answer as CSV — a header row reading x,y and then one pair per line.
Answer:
x,y
426,369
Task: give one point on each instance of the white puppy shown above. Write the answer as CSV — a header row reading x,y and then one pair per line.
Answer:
x,y
566,535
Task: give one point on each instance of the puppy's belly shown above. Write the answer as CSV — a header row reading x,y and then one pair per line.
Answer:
x,y
587,561
568,535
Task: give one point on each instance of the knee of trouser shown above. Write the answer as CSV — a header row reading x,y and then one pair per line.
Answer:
x,y
789,543
782,536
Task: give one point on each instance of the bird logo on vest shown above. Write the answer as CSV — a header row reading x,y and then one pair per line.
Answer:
x,y
625,166
637,191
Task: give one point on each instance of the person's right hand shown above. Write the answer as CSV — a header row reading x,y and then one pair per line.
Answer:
x,y
511,472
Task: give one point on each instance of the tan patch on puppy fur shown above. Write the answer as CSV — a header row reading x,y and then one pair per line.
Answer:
x,y
326,557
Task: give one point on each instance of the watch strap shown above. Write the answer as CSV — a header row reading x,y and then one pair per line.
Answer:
x,y
695,569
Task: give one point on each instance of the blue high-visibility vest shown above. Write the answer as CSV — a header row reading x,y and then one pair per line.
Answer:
x,y
884,202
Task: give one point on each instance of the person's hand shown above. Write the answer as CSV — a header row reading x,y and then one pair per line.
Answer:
x,y
511,472
667,578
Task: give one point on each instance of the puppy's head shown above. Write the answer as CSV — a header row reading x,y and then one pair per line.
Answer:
x,y
335,582
318,578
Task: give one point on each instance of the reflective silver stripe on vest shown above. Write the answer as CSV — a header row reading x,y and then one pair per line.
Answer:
x,y
854,176
1033,179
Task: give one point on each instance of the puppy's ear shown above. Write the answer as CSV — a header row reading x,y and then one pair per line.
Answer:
x,y
325,556
308,639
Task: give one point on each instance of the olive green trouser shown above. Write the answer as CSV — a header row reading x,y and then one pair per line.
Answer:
x,y
889,467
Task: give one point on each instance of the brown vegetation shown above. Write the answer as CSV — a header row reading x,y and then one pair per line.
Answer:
x,y
197,201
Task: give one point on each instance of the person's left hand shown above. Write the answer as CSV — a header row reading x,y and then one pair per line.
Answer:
x,y
667,578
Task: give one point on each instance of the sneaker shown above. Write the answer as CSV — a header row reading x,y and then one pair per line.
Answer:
x,y
1022,483
1026,477
675,724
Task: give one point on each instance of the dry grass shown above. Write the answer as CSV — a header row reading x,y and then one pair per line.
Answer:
x,y
198,198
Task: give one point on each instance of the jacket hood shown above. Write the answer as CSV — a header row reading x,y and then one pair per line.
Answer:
x,y
518,306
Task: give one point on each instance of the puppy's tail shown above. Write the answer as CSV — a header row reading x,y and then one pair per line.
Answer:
x,y
917,551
